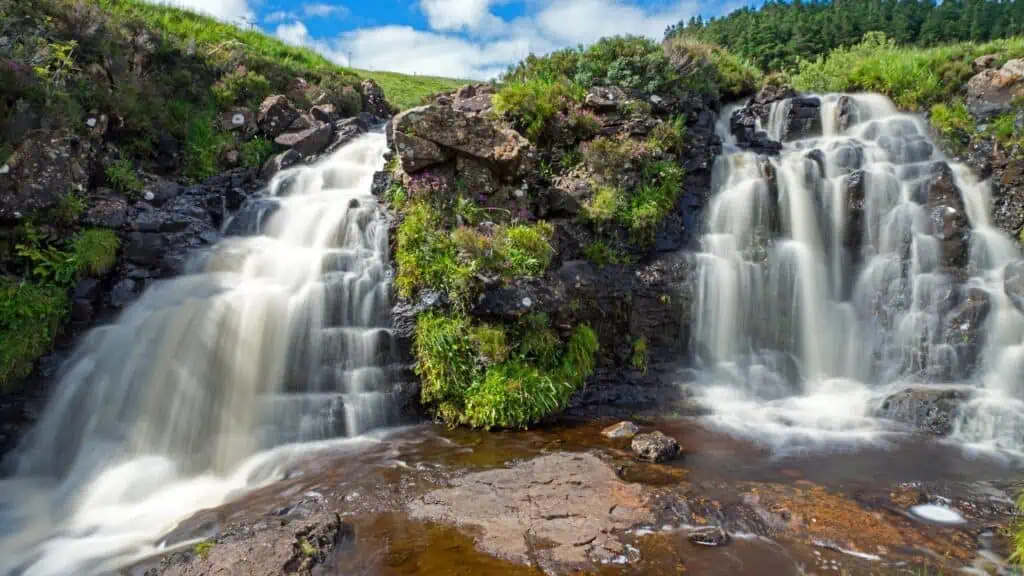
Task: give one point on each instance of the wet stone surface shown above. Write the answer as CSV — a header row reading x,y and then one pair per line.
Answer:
x,y
568,500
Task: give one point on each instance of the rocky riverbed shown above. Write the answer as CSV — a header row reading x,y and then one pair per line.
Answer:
x,y
566,500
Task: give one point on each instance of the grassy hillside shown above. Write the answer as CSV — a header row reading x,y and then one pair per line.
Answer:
x,y
407,91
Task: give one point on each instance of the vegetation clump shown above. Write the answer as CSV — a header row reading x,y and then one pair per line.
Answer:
x,y
487,378
31,314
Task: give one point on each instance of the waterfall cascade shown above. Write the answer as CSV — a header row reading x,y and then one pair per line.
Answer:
x,y
282,337
852,265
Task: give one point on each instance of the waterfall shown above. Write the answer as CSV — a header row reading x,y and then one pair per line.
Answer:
x,y
282,336
858,262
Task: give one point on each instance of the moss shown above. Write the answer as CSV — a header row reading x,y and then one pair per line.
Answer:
x,y
307,549
202,549
526,249
639,359
600,253
603,205
96,251
490,343
121,177
30,317
427,257
1004,129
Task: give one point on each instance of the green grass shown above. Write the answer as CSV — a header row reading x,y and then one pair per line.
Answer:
x,y
122,177
406,91
30,317
914,78
256,151
465,384
96,251
202,549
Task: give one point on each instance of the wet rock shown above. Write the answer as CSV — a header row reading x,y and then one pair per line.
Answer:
x,y
964,330
985,62
846,113
802,118
605,99
276,114
991,92
308,141
573,504
416,153
279,162
623,429
474,99
161,192
253,215
347,130
374,101
1013,284
710,536
931,410
106,209
939,194
405,313
123,293
743,125
855,203
42,171
655,447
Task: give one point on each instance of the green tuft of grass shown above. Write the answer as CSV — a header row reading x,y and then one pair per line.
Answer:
x,y
122,177
202,549
256,151
533,104
203,147
96,251
30,317
954,125
639,358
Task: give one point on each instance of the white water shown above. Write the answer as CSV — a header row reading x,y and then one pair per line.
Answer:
x,y
805,321
190,398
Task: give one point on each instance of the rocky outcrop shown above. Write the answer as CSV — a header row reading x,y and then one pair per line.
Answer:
x,y
991,92
928,409
475,99
46,168
374,101
944,202
307,136
276,115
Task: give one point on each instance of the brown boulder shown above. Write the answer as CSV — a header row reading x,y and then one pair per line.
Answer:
x,y
985,62
279,162
417,153
655,447
276,115
324,112
308,141
990,92
42,171
472,135
474,98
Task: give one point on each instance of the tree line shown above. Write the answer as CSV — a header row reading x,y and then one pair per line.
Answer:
x,y
778,34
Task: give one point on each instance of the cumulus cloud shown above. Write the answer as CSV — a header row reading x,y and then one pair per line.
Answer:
x,y
467,40
321,10
227,10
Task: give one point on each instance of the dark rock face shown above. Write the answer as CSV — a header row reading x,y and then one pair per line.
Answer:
x,y
45,168
964,328
655,447
939,194
743,125
931,410
374,101
307,141
279,162
1013,284
802,118
276,115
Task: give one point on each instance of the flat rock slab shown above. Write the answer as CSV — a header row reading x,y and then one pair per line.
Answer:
x,y
556,510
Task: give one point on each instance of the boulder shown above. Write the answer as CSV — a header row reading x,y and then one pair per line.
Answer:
x,y
773,93
472,135
567,195
308,141
303,122
743,126
324,112
106,209
374,101
160,192
940,196
238,120
991,92
802,118
417,153
605,99
474,99
623,429
928,409
347,130
655,447
475,177
42,171
276,115
964,331
985,62
279,162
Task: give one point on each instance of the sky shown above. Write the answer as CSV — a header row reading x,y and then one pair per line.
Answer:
x,y
455,38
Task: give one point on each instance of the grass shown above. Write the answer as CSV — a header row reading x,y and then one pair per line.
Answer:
x,y
256,151
405,91
466,384
202,549
954,125
96,251
122,177
914,78
30,317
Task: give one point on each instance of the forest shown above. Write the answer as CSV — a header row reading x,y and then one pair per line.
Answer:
x,y
778,35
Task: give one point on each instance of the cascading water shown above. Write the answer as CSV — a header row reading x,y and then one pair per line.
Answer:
x,y
282,337
847,268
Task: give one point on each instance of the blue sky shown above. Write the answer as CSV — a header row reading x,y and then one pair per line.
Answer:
x,y
457,38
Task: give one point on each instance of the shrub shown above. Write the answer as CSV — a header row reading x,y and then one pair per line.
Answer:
x,y
533,104
68,210
30,316
427,257
203,147
1004,129
668,136
526,250
121,177
708,67
96,251
256,151
655,198
603,205
611,158
241,87
627,61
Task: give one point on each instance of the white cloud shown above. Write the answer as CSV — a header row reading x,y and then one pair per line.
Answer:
x,y
227,10
321,10
468,41
280,16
